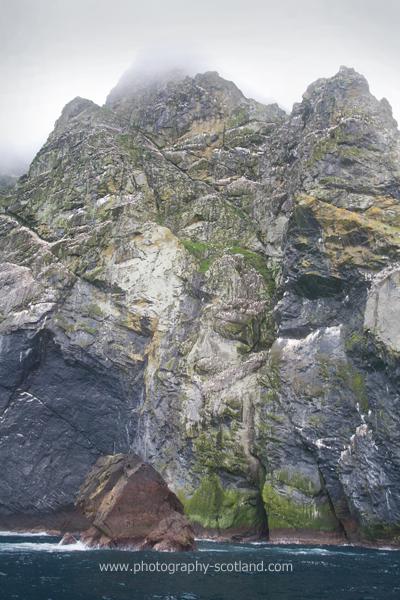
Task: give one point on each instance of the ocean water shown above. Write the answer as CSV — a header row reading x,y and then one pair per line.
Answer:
x,y
37,568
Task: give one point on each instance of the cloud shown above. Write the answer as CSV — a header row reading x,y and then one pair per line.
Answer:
x,y
52,51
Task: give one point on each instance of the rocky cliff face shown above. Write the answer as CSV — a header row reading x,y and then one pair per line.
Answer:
x,y
212,284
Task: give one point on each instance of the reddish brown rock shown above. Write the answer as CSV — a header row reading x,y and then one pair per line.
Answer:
x,y
129,504
173,534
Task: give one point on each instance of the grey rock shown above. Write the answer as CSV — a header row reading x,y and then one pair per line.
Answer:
x,y
208,282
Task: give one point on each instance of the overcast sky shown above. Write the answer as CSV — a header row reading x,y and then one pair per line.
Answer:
x,y
54,50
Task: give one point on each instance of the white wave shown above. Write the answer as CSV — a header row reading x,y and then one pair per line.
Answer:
x,y
261,547
25,534
260,544
228,542
309,551
321,551
45,547
211,550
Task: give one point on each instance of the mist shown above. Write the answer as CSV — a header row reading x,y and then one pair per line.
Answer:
x,y
52,51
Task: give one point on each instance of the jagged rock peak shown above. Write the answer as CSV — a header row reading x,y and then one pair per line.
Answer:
x,y
137,82
73,114
76,106
170,104
134,81
346,94
344,80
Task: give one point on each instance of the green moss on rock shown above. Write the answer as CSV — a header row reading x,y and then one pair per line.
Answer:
x,y
203,251
381,531
298,481
286,511
354,380
258,263
344,373
221,448
214,507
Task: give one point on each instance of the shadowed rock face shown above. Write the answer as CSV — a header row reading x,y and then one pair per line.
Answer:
x,y
213,284
128,504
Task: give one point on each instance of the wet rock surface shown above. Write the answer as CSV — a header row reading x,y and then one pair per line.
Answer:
x,y
128,504
213,284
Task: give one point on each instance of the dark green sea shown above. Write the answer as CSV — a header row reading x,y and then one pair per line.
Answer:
x,y
37,568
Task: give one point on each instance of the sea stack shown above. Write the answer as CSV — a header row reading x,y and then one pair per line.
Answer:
x,y
129,504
